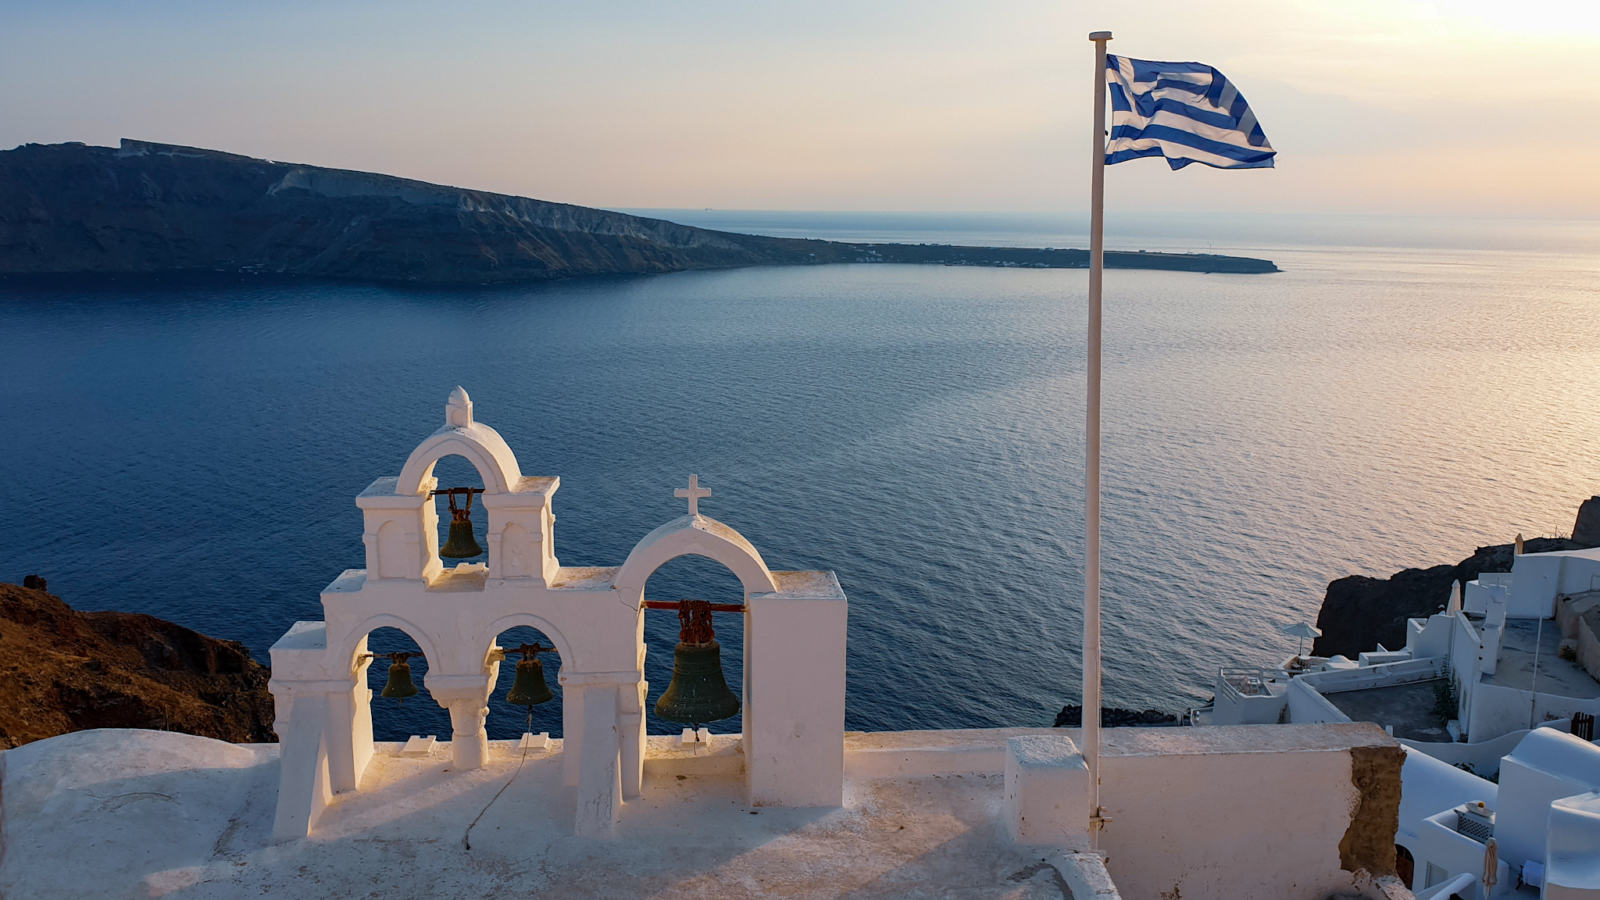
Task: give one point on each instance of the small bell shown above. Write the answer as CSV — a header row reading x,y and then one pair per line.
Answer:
x,y
461,544
530,688
399,685
699,692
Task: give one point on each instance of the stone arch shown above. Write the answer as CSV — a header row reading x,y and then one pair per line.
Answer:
x,y
462,436
479,445
517,619
385,620
695,536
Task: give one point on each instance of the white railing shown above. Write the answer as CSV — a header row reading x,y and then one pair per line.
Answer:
x,y
1382,675
1246,682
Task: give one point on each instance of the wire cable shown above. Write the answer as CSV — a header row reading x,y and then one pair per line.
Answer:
x,y
466,843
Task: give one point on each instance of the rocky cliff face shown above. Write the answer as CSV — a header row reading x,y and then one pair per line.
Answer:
x,y
1071,716
158,208
149,208
62,670
1586,530
1359,613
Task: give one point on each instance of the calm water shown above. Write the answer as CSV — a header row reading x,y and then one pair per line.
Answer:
x,y
193,452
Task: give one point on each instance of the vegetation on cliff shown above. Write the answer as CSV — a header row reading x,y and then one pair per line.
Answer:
x,y
63,670
160,209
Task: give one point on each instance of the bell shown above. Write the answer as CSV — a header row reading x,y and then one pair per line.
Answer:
x,y
461,544
530,688
399,685
698,692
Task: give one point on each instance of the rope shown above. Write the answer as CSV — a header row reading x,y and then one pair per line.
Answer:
x,y
465,842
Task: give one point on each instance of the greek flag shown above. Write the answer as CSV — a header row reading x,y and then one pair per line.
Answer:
x,y
1184,111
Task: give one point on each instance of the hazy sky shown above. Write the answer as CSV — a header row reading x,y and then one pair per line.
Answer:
x,y
1478,106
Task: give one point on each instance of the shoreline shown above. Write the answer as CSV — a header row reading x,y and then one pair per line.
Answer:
x,y
889,254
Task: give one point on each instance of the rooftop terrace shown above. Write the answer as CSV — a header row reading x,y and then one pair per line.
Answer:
x,y
1410,708
1515,668
152,814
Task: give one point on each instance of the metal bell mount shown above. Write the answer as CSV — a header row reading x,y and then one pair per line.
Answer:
x,y
460,544
699,692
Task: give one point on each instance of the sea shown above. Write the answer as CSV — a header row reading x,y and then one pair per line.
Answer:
x,y
1403,391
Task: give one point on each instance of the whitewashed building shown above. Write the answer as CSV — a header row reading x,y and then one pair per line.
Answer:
x,y
1494,685
1535,833
1516,650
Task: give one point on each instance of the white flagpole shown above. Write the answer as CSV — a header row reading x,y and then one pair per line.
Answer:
x,y
1091,593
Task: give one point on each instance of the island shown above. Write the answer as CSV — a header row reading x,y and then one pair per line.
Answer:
x,y
144,208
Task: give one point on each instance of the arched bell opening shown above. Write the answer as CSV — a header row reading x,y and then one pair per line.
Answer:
x,y
527,693
695,665
393,663
463,519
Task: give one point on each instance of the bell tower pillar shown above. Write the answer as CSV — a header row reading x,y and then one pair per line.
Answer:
x,y
794,691
401,532
466,698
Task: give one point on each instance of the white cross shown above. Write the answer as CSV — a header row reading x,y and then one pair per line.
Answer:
x,y
693,492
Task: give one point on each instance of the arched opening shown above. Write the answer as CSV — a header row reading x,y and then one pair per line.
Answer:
x,y
1405,865
508,721
395,719
455,471
695,578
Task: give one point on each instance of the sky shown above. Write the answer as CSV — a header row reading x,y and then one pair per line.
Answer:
x,y
1475,107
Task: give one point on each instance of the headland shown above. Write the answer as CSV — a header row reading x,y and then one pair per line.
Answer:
x,y
151,209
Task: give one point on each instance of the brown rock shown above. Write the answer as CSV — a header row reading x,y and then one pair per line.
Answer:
x,y
1586,530
62,670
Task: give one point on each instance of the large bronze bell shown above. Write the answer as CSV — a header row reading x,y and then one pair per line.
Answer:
x,y
399,685
461,544
530,688
698,692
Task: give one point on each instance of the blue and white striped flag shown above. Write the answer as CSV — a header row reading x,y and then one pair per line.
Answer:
x,y
1184,111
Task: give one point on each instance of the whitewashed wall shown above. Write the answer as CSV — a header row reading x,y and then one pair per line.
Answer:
x,y
1308,707
1497,709
1227,812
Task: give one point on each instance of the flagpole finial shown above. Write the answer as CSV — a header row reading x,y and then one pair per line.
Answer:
x,y
1099,35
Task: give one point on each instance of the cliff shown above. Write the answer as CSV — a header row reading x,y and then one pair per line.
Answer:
x,y
1359,612
158,209
1586,530
1071,716
62,670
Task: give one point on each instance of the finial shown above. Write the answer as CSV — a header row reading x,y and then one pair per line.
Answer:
x,y
458,409
693,493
